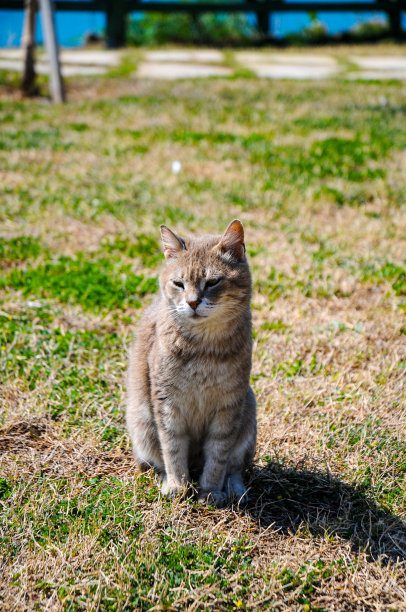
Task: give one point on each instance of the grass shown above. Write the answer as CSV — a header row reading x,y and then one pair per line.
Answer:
x,y
316,172
92,284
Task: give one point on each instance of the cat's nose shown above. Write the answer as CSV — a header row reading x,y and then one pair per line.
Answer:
x,y
194,303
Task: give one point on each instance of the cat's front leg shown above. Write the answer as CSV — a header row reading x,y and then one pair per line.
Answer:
x,y
217,448
175,451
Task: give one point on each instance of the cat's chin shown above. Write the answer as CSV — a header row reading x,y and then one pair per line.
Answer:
x,y
209,323
197,320
195,317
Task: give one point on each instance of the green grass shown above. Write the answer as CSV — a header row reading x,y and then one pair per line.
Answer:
x,y
92,284
19,249
145,247
315,171
393,273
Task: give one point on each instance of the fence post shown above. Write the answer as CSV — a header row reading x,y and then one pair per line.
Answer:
x,y
263,18
57,90
116,24
395,18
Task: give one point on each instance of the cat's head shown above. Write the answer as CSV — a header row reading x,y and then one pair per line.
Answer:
x,y
206,280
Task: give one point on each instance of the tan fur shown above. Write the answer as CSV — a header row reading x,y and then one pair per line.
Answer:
x,y
190,407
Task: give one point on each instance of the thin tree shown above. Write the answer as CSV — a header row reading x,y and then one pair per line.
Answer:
x,y
28,44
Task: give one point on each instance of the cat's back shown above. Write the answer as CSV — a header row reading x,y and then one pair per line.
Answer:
x,y
146,329
141,348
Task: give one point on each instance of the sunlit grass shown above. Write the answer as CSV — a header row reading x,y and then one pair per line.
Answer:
x,y
316,172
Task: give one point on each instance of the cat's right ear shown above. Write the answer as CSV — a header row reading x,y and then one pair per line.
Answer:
x,y
172,243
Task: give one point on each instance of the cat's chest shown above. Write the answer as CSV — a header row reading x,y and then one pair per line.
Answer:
x,y
198,384
204,375
203,389
195,388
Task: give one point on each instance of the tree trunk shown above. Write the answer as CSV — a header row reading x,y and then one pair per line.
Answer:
x,y
51,45
28,44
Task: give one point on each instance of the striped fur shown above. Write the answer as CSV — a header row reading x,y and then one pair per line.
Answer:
x,y
190,410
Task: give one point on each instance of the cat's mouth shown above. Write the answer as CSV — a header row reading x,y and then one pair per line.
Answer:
x,y
195,316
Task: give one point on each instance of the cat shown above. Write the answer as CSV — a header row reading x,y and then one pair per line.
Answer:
x,y
190,409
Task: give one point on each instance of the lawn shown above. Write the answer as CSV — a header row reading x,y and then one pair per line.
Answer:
x,y
316,171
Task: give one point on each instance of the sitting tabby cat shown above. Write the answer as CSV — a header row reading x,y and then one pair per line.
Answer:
x,y
190,408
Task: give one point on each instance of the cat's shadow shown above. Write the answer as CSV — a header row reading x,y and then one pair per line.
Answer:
x,y
297,500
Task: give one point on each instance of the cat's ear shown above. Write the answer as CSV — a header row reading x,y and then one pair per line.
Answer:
x,y
232,241
171,242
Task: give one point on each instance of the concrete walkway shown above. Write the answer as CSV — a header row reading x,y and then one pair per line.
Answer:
x,y
201,63
74,62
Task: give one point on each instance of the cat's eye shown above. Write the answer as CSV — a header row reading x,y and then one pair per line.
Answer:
x,y
212,282
179,284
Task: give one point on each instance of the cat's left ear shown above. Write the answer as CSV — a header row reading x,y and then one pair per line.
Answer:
x,y
232,241
171,242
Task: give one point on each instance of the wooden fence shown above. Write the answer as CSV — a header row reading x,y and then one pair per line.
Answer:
x,y
116,10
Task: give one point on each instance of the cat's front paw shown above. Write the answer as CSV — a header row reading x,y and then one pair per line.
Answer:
x,y
173,489
216,498
236,490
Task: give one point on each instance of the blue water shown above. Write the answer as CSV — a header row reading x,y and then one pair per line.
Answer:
x,y
72,27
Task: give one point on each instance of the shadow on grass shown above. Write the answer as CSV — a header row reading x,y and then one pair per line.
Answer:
x,y
295,499
292,499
